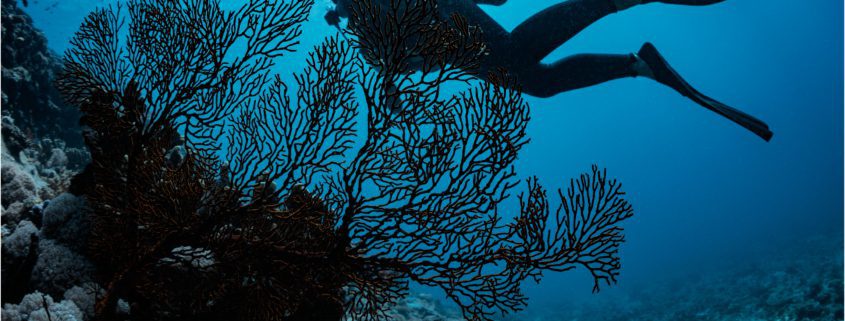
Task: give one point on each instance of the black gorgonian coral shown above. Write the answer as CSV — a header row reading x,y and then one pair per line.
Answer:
x,y
295,216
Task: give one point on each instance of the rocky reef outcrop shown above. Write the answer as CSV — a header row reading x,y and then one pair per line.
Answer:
x,y
42,229
41,137
28,71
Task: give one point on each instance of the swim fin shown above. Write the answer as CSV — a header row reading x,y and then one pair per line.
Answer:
x,y
664,74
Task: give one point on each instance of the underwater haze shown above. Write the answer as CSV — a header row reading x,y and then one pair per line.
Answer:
x,y
727,226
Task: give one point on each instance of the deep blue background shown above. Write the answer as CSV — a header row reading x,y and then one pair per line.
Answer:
x,y
708,194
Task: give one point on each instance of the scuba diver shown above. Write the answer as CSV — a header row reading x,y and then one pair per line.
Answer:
x,y
520,51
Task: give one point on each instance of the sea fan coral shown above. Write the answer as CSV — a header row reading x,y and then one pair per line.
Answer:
x,y
296,216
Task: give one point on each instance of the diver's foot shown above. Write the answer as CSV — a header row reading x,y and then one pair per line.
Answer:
x,y
660,70
651,64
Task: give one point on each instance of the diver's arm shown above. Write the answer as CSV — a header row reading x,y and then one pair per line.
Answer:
x,y
491,2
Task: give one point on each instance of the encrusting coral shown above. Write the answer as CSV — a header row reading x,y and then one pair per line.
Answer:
x,y
296,216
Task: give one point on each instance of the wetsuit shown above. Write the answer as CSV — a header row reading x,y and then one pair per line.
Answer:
x,y
520,51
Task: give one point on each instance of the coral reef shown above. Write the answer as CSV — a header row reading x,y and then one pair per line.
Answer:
x,y
28,71
15,140
26,195
40,171
33,260
37,165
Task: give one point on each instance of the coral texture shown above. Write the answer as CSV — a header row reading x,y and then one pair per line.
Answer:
x,y
84,296
17,244
28,70
41,307
58,268
18,185
66,220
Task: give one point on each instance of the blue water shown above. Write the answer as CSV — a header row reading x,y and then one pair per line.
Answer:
x,y
708,194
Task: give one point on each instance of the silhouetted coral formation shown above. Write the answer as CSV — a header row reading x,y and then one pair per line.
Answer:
x,y
297,218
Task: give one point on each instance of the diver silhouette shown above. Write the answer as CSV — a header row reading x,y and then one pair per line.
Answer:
x,y
520,51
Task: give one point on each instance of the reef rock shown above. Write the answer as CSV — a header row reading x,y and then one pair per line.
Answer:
x,y
28,70
16,138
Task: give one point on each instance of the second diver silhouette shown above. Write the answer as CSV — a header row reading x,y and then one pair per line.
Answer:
x,y
520,51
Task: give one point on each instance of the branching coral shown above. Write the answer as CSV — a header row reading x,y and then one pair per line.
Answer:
x,y
175,77
297,217
185,59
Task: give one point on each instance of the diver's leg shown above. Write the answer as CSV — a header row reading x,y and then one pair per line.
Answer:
x,y
574,72
579,71
547,30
